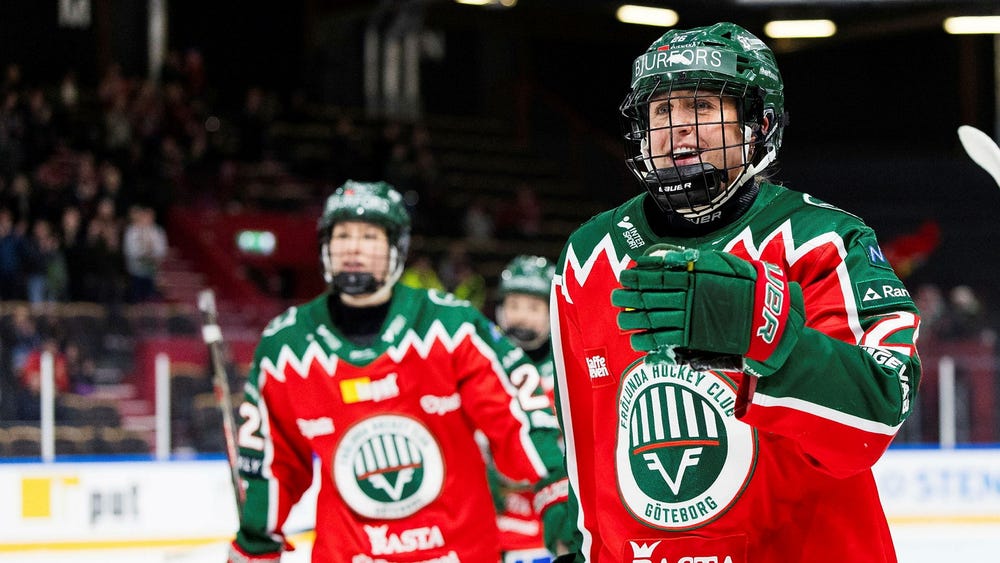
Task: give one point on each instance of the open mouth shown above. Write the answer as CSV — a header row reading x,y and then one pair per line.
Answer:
x,y
683,156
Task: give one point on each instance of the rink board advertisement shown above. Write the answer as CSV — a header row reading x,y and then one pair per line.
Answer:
x,y
108,504
940,486
118,501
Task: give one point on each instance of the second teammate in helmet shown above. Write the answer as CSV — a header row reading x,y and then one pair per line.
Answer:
x,y
523,310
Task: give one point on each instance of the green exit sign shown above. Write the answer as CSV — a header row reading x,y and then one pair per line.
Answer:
x,y
256,242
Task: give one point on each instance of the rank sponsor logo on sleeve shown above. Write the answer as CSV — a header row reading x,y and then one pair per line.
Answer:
x,y
880,293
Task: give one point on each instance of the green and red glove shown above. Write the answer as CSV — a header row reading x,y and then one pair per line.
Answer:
x,y
552,503
687,303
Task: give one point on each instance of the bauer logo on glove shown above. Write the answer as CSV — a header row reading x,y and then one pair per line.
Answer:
x,y
709,309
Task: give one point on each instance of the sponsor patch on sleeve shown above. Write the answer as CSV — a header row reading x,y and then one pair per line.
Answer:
x,y
879,293
597,367
875,255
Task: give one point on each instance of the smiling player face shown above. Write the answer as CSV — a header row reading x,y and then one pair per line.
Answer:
x,y
687,129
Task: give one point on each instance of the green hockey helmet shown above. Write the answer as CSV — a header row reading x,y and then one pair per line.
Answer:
x,y
527,274
370,202
721,59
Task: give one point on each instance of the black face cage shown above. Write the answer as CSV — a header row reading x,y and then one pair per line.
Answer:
x,y
353,283
707,181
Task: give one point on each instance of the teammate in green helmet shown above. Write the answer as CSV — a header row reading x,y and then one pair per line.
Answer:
x,y
523,314
364,234
386,388
523,311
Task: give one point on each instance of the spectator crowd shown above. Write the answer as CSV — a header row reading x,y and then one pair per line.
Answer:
x,y
88,173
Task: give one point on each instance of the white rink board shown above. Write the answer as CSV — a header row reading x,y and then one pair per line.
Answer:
x,y
941,505
946,486
114,504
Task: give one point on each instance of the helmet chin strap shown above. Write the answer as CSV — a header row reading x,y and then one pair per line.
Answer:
x,y
527,339
355,284
703,174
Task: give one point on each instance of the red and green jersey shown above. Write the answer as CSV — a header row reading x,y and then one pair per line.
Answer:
x,y
672,464
521,527
392,426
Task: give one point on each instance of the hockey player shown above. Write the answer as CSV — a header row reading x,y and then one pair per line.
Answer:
x,y
523,311
731,356
523,314
385,386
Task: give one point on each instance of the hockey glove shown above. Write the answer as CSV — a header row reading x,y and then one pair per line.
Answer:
x,y
689,303
552,503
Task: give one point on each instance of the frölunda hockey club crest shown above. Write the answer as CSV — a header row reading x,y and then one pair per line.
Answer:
x,y
682,458
388,467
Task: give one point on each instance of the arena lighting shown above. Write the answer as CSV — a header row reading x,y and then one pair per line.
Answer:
x,y
645,15
972,24
491,3
782,29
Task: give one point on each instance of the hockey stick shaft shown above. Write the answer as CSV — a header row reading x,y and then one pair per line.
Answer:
x,y
982,149
212,335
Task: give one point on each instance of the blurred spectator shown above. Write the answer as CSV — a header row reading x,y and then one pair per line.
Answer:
x,y
172,70
420,273
30,378
66,112
117,127
145,248
69,92
177,112
12,125
20,336
390,135
12,251
110,177
103,259
45,266
195,76
40,133
460,276
146,113
400,170
254,127
18,197
477,224
932,306
74,243
470,285
80,369
523,217
87,186
12,78
965,318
